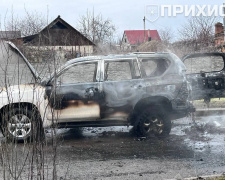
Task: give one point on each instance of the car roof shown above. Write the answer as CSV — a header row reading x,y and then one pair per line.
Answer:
x,y
117,56
112,57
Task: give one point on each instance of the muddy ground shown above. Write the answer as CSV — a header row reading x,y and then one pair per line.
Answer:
x,y
115,153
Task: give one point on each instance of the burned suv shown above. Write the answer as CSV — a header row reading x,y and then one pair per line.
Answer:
x,y
145,90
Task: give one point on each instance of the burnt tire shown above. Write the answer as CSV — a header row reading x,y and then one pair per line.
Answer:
x,y
22,124
152,120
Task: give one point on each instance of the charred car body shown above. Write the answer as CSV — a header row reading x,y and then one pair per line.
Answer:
x,y
206,74
145,90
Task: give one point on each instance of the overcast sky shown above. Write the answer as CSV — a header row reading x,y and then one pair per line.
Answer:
x,y
125,14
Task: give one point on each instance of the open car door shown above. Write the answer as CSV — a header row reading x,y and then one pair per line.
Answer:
x,y
206,74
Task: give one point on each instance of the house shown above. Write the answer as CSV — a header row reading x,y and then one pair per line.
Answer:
x,y
8,35
133,38
58,38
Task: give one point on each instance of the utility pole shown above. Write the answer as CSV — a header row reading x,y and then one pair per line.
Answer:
x,y
144,28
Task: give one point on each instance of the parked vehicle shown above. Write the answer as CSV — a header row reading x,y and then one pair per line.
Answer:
x,y
144,90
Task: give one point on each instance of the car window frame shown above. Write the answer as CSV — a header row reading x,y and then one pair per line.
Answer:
x,y
146,58
198,55
97,74
131,66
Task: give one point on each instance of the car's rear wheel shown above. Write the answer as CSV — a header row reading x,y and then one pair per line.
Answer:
x,y
152,120
21,123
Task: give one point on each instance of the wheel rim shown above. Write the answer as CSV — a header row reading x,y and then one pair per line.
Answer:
x,y
19,126
155,124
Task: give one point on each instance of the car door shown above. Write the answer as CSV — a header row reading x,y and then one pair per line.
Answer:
x,y
74,94
122,86
206,74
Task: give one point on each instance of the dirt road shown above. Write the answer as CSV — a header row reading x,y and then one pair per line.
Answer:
x,y
114,153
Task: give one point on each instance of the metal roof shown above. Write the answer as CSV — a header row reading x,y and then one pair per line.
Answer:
x,y
140,36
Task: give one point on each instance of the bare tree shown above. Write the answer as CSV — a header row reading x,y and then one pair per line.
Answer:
x,y
196,35
166,35
96,28
28,161
31,23
198,31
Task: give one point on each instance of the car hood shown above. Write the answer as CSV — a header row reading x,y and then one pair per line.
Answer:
x,y
31,68
14,66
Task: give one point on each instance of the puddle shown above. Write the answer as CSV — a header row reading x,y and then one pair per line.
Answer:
x,y
206,135
113,130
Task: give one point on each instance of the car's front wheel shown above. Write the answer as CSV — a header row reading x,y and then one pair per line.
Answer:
x,y
21,123
152,120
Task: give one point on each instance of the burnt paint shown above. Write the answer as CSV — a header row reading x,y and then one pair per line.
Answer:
x,y
207,85
115,98
72,101
122,96
78,91
60,96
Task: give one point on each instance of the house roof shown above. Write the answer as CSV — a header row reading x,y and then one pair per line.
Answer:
x,y
139,36
29,38
57,23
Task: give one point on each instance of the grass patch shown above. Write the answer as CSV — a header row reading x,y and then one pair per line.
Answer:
x,y
219,178
213,99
